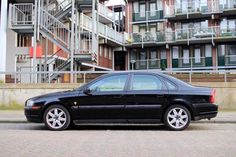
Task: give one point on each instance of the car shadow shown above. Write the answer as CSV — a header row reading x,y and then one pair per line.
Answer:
x,y
120,127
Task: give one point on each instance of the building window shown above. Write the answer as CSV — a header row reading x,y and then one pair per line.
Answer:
x,y
142,9
185,56
175,52
152,9
110,53
163,54
100,50
208,51
105,52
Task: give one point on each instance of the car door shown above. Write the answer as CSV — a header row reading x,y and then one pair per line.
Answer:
x,y
145,97
105,100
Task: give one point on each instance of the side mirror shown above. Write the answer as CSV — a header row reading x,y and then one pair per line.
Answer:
x,y
87,91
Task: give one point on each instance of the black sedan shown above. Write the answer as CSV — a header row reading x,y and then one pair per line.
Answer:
x,y
125,97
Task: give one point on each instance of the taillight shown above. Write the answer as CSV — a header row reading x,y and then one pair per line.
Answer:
x,y
213,95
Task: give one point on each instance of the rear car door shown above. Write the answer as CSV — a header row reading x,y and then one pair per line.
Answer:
x,y
106,99
145,97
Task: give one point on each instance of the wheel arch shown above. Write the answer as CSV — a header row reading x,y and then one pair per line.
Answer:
x,y
47,105
178,102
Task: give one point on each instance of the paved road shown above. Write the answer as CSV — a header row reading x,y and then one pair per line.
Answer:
x,y
200,139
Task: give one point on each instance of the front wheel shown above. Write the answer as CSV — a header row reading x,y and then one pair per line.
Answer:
x,y
177,118
57,118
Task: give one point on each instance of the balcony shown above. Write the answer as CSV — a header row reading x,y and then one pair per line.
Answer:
x,y
193,10
227,60
106,14
21,17
151,38
183,36
192,62
195,35
145,64
103,30
156,15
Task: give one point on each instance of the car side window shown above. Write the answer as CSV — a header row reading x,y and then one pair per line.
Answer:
x,y
112,83
170,85
146,82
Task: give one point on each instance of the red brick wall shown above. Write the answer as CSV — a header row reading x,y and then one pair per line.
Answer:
x,y
105,60
128,18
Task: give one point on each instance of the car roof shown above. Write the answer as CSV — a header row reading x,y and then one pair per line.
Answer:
x,y
176,81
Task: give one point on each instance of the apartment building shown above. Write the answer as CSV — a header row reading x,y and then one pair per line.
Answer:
x,y
182,34
41,37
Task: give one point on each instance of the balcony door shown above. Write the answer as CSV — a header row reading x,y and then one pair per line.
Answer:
x,y
152,6
186,56
197,55
142,9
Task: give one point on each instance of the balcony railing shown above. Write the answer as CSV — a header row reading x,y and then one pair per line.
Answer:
x,y
106,12
181,35
21,14
152,37
192,7
230,60
145,64
148,15
191,62
103,30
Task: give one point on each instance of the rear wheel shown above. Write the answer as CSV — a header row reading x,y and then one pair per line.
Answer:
x,y
177,118
57,118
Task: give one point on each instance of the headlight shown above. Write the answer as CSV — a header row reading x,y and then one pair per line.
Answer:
x,y
29,103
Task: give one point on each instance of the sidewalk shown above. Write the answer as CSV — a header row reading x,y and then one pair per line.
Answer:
x,y
18,117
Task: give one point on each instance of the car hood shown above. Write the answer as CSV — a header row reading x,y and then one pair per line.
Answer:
x,y
55,95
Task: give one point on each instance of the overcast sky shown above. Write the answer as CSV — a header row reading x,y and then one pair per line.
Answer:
x,y
115,2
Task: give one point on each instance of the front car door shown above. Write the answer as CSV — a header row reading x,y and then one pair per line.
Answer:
x,y
105,102
145,98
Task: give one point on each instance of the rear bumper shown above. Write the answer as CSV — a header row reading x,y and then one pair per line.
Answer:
x,y
33,115
205,111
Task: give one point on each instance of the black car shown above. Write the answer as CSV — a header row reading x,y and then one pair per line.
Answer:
x,y
125,97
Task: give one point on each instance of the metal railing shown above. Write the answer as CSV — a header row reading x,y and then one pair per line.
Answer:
x,y
148,15
145,64
57,29
188,34
103,30
190,7
58,7
86,76
152,37
191,62
106,12
230,60
21,14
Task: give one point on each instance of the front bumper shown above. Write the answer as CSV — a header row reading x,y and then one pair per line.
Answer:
x,y
33,115
205,111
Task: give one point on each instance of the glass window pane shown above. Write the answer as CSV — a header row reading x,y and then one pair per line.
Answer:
x,y
112,83
146,82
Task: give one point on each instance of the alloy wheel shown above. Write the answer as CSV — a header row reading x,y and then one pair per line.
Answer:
x,y
177,118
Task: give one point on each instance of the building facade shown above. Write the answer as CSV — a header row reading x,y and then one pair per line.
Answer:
x,y
39,36
182,34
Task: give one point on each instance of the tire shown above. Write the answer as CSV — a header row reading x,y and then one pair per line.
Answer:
x,y
56,118
177,118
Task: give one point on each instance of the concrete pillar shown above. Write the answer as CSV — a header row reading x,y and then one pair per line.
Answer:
x,y
3,35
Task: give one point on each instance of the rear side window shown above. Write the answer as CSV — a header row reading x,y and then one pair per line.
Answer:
x,y
146,82
170,85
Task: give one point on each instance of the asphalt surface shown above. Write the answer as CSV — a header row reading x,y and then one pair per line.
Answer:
x,y
199,140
